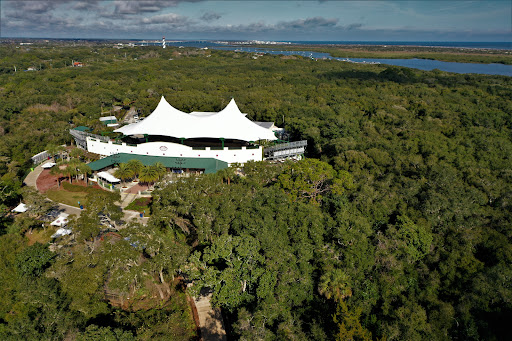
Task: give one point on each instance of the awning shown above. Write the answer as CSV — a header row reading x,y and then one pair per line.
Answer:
x,y
109,177
48,165
108,118
20,208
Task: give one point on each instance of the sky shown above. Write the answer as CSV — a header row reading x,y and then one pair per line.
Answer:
x,y
313,20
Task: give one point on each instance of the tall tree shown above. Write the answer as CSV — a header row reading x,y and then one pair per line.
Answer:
x,y
124,172
148,174
135,165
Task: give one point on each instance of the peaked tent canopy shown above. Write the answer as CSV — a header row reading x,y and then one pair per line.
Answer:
x,y
228,123
61,220
20,208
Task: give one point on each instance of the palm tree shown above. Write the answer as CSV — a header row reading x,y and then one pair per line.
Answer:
x,y
135,165
124,172
71,171
52,149
335,284
84,169
148,174
161,170
75,167
227,174
58,172
77,153
60,150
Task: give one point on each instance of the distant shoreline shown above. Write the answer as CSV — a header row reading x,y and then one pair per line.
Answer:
x,y
409,44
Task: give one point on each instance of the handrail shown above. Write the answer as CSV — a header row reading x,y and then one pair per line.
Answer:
x,y
288,145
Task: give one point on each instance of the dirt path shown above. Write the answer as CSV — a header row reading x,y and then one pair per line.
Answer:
x,y
210,320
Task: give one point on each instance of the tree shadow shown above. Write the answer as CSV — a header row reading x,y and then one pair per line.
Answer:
x,y
213,329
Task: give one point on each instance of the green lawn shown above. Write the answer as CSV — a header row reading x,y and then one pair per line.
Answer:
x,y
141,205
40,235
65,197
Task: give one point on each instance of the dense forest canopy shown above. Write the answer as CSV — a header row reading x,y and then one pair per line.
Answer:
x,y
396,226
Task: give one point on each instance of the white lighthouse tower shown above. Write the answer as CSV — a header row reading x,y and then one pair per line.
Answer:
x,y
163,42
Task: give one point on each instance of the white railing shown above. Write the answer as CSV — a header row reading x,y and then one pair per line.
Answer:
x,y
168,149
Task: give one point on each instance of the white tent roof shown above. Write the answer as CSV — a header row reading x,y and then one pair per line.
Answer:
x,y
61,220
228,123
20,208
107,176
61,232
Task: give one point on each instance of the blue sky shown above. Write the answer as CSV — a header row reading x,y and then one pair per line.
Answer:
x,y
262,20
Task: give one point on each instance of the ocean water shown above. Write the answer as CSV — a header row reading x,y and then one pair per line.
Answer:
x,y
459,44
469,45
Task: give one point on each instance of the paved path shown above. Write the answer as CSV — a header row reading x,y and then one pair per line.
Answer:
x,y
69,209
126,199
210,320
31,178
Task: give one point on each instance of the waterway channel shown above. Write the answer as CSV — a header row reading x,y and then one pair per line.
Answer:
x,y
421,64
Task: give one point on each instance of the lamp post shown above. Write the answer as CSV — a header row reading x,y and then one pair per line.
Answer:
x,y
180,161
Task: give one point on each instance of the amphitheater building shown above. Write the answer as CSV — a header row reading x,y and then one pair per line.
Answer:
x,y
202,141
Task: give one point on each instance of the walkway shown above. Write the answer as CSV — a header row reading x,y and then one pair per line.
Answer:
x,y
210,320
31,180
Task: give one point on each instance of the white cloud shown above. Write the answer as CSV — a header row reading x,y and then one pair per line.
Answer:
x,y
169,18
145,6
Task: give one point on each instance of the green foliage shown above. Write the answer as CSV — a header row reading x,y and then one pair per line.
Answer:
x,y
311,179
37,204
150,174
405,214
416,239
350,327
135,166
76,267
140,205
100,213
94,332
124,172
335,284
33,261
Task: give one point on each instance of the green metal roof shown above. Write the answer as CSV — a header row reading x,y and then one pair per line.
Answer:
x,y
82,128
210,165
